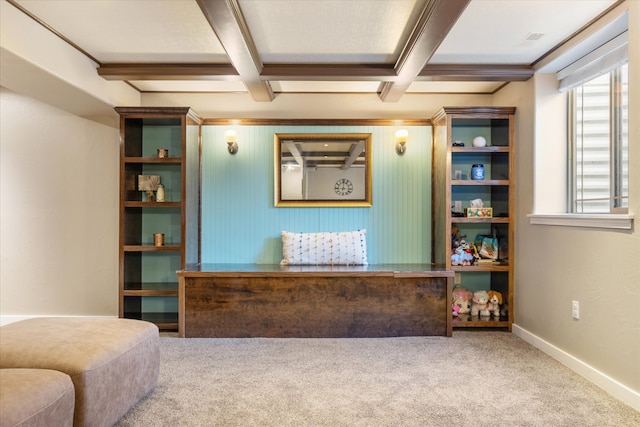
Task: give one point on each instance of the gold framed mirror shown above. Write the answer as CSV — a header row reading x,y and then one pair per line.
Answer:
x,y
322,169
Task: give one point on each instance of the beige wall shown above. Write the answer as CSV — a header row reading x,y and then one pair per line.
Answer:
x,y
59,212
556,265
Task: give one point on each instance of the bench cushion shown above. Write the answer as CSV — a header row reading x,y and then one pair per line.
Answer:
x,y
112,362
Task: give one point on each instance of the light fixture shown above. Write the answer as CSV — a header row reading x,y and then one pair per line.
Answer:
x,y
401,141
232,144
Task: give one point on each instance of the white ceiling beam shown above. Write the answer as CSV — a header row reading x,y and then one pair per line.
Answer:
x,y
295,152
354,153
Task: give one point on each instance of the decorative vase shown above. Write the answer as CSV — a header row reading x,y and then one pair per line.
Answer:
x,y
479,141
158,239
477,172
160,193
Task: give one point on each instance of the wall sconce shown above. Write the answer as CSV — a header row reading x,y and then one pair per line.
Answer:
x,y
401,141
232,144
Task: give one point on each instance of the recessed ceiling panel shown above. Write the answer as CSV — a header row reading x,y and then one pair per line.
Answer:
x,y
132,31
188,86
454,87
330,31
325,87
514,32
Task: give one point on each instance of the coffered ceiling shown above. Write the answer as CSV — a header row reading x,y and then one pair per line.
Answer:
x,y
267,47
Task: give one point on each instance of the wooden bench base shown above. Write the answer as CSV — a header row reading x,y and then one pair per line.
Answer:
x,y
273,301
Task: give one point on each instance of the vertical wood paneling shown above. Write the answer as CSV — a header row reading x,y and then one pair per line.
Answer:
x,y
240,223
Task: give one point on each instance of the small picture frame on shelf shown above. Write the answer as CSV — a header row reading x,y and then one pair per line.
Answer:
x,y
148,184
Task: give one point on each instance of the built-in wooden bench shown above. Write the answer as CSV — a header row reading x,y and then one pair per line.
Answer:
x,y
270,300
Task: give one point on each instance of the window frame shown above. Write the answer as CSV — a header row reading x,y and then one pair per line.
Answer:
x,y
616,149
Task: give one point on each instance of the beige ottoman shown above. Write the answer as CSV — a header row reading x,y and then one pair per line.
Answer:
x,y
113,363
35,397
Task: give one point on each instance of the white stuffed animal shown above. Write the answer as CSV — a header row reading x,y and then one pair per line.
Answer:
x,y
479,304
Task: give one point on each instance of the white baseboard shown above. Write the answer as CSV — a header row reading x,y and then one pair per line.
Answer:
x,y
616,389
6,319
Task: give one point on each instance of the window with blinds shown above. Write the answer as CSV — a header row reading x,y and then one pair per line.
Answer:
x,y
599,144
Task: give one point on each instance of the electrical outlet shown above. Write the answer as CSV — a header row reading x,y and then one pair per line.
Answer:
x,y
575,309
457,279
457,206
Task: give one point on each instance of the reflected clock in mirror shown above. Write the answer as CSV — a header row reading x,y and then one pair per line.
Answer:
x,y
322,169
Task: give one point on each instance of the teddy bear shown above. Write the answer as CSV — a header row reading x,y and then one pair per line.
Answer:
x,y
461,300
494,303
479,304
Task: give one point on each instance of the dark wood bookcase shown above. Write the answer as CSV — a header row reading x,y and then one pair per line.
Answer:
x,y
148,285
497,190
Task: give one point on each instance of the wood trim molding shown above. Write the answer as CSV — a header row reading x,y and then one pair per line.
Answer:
x,y
318,122
227,21
484,72
434,23
320,72
117,71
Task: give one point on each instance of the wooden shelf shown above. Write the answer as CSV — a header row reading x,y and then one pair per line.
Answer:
x,y
479,182
151,248
156,286
490,149
167,160
492,220
146,270
139,204
149,293
497,125
480,322
469,268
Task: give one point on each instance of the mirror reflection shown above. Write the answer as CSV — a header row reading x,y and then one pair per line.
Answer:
x,y
323,169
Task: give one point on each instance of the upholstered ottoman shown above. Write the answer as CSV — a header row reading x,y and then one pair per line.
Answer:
x,y
113,363
35,397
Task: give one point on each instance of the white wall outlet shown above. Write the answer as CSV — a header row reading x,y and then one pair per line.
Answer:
x,y
575,309
457,279
457,206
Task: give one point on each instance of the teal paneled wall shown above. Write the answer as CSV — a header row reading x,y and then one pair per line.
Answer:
x,y
240,223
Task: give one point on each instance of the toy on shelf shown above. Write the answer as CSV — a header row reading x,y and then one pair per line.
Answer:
x,y
461,300
462,256
494,303
479,304
462,253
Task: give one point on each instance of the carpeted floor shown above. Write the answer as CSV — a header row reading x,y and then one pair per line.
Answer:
x,y
475,378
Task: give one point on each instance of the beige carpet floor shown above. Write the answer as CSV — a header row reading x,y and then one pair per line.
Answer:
x,y
475,378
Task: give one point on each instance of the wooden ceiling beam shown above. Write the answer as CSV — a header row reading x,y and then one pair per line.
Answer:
x,y
329,72
315,72
475,72
436,20
227,21
224,72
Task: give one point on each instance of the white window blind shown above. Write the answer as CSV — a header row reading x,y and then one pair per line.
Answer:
x,y
605,58
599,141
